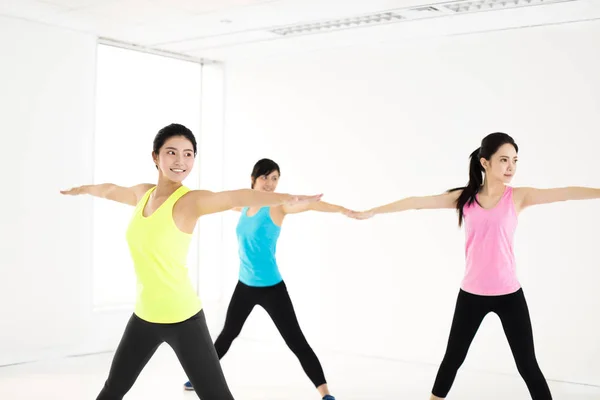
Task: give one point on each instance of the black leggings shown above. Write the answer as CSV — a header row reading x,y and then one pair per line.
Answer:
x,y
514,315
277,303
191,342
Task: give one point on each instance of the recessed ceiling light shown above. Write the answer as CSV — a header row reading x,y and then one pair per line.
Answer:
x,y
371,19
491,5
443,9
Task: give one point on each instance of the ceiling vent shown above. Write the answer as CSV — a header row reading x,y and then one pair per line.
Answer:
x,y
448,8
337,24
493,5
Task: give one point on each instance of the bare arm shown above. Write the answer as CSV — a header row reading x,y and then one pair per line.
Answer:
x,y
207,202
320,206
444,200
531,196
126,195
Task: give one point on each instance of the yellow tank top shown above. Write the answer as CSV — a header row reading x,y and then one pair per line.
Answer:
x,y
159,250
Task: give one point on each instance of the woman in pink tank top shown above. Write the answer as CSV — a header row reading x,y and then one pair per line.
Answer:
x,y
488,208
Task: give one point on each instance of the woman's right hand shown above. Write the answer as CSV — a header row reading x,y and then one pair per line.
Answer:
x,y
126,195
74,191
360,215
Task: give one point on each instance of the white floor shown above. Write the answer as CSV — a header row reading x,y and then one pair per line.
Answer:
x,y
256,372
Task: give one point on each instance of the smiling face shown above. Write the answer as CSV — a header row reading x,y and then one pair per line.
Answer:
x,y
175,159
266,183
265,175
502,165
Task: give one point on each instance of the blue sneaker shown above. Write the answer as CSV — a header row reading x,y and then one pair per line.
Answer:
x,y
328,397
188,386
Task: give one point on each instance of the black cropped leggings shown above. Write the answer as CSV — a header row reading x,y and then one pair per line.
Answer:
x,y
192,344
277,303
514,315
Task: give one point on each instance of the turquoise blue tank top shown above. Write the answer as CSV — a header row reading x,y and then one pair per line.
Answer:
x,y
257,241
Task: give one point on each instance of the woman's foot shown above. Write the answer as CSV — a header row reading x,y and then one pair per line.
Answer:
x,y
324,392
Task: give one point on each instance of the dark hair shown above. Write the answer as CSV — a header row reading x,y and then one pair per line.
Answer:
x,y
489,146
264,167
170,131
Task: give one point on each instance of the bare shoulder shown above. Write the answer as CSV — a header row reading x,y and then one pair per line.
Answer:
x,y
278,210
190,203
278,214
194,197
202,202
450,198
454,194
199,194
519,193
141,189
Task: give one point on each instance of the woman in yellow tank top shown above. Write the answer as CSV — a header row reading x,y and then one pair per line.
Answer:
x,y
167,308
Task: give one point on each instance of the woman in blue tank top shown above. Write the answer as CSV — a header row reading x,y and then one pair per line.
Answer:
x,y
260,282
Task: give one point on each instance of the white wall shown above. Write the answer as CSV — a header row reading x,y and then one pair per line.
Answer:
x,y
370,125
47,103
131,106
137,94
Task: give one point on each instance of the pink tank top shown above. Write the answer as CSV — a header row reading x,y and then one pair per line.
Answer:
x,y
491,267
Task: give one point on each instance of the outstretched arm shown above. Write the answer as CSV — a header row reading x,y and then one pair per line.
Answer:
x,y
444,200
320,206
207,202
126,195
527,196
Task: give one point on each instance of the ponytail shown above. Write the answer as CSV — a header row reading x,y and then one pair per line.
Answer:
x,y
469,192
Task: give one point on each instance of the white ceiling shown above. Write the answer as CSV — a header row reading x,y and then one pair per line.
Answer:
x,y
222,29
